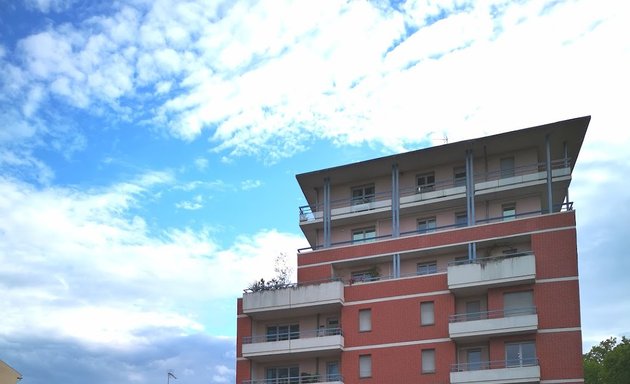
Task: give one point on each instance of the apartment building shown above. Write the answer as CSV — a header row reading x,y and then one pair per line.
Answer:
x,y
451,264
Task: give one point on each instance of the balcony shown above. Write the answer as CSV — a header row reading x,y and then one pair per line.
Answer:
x,y
479,325
299,299
318,342
472,275
439,191
322,379
496,372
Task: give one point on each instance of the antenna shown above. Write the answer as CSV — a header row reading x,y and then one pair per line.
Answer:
x,y
170,374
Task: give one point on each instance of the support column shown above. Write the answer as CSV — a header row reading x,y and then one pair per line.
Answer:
x,y
470,200
549,193
395,217
396,266
327,213
566,165
395,201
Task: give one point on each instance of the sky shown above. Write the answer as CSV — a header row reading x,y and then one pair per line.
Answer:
x,y
148,153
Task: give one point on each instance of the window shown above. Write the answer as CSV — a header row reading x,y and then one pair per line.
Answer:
x,y
473,357
461,219
507,167
427,313
365,366
426,182
473,310
460,260
509,211
283,332
363,194
459,176
332,371
426,268
426,225
365,320
428,361
363,235
520,354
518,303
284,375
360,276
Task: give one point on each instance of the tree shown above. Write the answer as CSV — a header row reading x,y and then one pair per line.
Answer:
x,y
617,364
608,362
281,280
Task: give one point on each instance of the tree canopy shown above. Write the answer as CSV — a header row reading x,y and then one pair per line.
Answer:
x,y
608,362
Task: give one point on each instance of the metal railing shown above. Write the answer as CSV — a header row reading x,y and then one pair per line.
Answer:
x,y
311,333
496,314
292,285
496,364
491,259
563,207
304,378
309,212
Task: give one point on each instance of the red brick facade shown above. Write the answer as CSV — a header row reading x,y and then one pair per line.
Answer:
x,y
428,315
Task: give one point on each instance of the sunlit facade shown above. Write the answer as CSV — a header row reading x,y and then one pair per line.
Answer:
x,y
452,264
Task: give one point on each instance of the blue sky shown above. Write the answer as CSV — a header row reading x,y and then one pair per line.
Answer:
x,y
148,151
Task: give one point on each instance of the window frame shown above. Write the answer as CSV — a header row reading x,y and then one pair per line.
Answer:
x,y
507,207
458,217
365,359
510,311
431,305
427,352
365,320
507,171
275,374
364,231
363,276
292,333
523,361
428,182
426,221
364,196
459,176
430,266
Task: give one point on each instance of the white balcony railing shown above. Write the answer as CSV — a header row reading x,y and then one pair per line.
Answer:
x,y
496,372
493,323
302,379
317,340
441,189
492,271
294,296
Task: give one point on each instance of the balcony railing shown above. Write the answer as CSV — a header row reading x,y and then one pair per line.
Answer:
x,y
497,364
313,295
564,207
492,323
302,379
488,260
486,315
492,271
439,189
309,343
320,332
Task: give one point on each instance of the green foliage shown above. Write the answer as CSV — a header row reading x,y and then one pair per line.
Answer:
x,y
282,279
608,362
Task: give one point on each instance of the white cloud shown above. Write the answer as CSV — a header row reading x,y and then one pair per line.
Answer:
x,y
77,264
266,84
250,184
191,205
201,163
46,6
